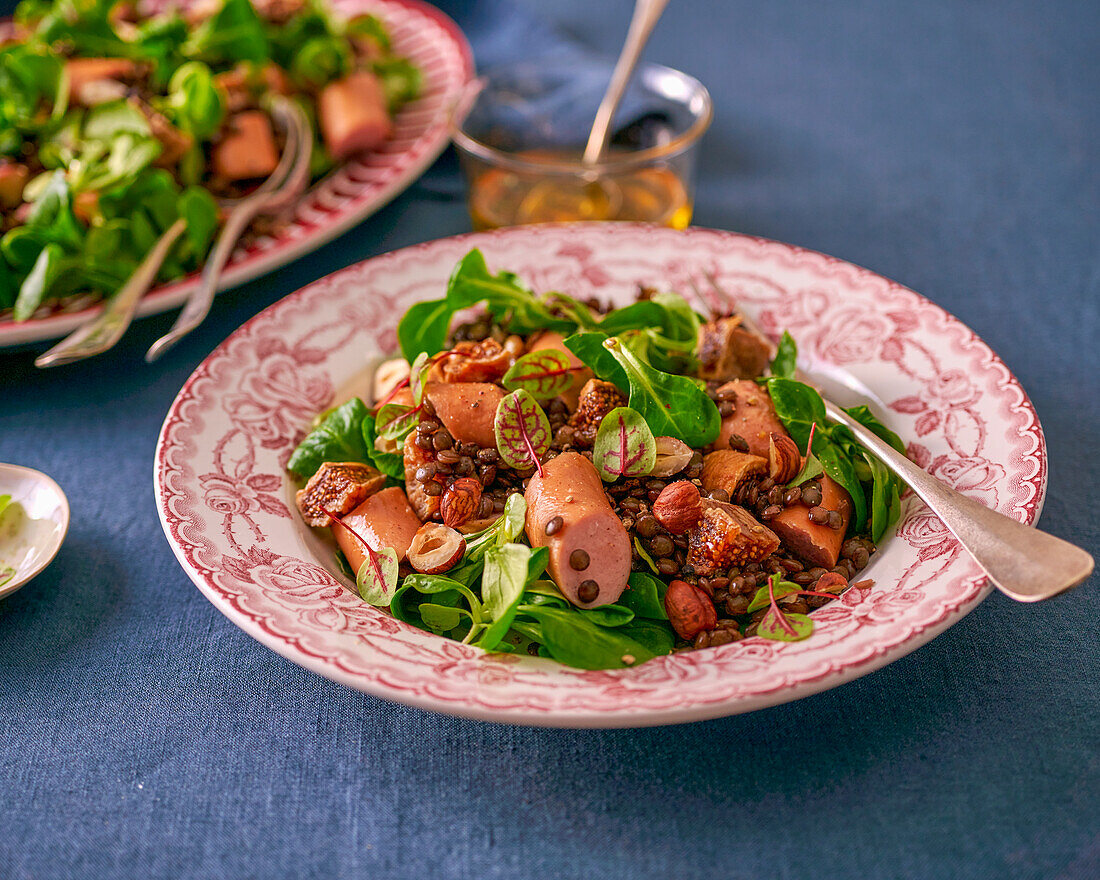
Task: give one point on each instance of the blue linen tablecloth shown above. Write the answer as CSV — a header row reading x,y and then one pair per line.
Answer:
x,y
950,146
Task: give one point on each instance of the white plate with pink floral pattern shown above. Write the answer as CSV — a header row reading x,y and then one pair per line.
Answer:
x,y
225,501
341,199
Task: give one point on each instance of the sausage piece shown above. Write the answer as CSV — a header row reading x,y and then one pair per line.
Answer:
x,y
467,409
425,505
13,178
753,418
817,544
590,544
82,71
551,339
383,520
353,114
248,148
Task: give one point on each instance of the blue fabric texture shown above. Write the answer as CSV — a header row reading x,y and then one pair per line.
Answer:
x,y
952,146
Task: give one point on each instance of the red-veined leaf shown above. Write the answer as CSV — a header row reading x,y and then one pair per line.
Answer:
x,y
522,431
624,445
395,421
543,374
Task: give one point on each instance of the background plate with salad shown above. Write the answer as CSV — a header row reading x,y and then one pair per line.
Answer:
x,y
417,38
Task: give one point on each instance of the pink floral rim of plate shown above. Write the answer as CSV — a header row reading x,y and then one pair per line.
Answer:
x,y
352,192
225,501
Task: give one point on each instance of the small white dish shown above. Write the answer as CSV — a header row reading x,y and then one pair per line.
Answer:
x,y
34,543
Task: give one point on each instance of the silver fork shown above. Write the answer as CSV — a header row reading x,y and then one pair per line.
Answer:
x,y
278,192
281,189
106,329
1020,561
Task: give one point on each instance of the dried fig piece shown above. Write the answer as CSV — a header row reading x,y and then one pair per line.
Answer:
x,y
337,487
597,399
728,535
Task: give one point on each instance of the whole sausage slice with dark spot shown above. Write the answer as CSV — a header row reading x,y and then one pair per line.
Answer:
x,y
571,489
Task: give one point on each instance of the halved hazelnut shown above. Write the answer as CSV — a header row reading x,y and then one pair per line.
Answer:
x,y
435,549
388,376
673,456
784,459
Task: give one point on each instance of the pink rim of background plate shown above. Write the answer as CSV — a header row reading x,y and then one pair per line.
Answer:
x,y
226,503
352,192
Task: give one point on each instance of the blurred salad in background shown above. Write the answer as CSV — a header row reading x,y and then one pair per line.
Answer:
x,y
113,125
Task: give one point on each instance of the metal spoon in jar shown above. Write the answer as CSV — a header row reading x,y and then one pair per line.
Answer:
x,y
646,13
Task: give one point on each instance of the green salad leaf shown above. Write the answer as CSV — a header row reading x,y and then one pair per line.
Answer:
x,y
234,33
339,437
785,362
672,405
645,596
544,374
571,637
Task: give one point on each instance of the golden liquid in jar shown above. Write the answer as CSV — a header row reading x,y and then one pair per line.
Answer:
x,y
499,197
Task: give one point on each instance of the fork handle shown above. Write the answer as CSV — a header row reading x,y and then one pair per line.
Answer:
x,y
1020,560
197,307
105,330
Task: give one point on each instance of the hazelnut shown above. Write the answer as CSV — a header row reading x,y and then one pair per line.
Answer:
x,y
679,507
784,459
689,609
673,456
461,501
435,549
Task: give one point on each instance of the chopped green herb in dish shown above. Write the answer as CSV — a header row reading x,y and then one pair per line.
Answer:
x,y
596,486
113,127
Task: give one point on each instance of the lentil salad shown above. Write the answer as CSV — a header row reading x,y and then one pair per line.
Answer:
x,y
594,485
114,125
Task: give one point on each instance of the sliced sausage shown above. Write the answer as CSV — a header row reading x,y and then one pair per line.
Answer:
x,y
551,339
753,418
590,543
82,71
383,520
467,409
247,149
354,115
13,178
817,544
